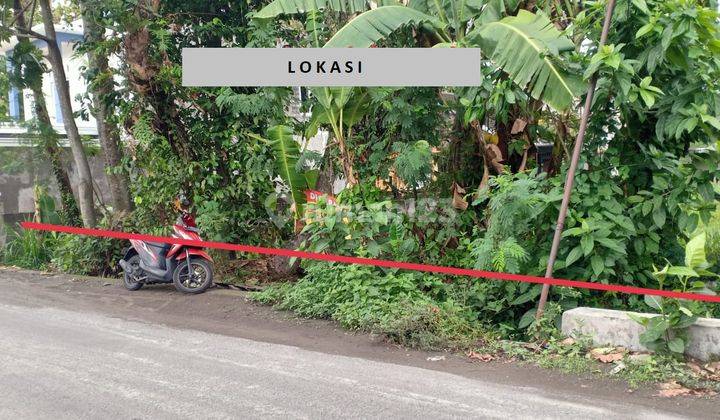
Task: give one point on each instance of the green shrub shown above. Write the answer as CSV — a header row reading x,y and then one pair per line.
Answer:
x,y
713,238
427,326
28,249
87,255
90,255
366,298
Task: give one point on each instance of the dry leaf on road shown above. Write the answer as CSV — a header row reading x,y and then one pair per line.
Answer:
x,y
674,389
483,357
710,371
608,354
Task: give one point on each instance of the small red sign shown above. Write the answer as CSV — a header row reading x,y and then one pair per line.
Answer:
x,y
311,196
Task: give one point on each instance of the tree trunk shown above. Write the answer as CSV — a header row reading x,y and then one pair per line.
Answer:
x,y
102,89
142,74
48,138
326,178
85,184
347,162
70,211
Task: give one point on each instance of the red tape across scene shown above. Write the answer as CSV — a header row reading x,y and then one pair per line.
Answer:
x,y
373,262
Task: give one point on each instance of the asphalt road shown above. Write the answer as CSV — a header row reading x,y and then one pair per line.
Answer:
x,y
80,347
62,364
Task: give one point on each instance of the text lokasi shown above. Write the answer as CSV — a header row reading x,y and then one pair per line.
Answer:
x,y
325,67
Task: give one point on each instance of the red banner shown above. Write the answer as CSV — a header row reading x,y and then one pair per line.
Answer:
x,y
375,262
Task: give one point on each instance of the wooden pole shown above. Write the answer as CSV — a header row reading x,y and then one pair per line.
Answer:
x,y
569,181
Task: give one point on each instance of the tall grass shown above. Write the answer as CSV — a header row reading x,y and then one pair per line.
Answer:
x,y
27,249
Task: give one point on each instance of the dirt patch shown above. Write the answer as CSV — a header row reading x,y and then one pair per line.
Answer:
x,y
229,312
250,273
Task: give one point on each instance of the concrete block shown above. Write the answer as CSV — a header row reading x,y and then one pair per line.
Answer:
x,y
608,327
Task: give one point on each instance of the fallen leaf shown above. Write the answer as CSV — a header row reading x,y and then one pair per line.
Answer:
x,y
609,358
568,342
713,367
608,354
697,370
532,346
458,201
483,357
710,371
674,389
495,155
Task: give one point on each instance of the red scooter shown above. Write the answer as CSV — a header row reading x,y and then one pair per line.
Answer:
x,y
189,268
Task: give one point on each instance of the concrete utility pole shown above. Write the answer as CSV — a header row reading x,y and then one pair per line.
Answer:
x,y
570,180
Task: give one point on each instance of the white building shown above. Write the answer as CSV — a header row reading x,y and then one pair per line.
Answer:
x,y
21,102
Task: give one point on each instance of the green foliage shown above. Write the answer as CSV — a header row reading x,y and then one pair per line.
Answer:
x,y
28,248
712,230
287,158
91,255
229,184
256,106
375,25
667,332
290,7
672,44
430,232
361,297
87,255
46,205
512,205
27,66
524,47
4,90
626,212
413,163
398,119
531,59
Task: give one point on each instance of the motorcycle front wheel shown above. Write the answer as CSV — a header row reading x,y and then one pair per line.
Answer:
x,y
199,278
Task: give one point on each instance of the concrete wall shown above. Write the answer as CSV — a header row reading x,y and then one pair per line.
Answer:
x,y
21,168
608,327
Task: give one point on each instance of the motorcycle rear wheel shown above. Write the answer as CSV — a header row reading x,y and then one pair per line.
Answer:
x,y
134,281
199,280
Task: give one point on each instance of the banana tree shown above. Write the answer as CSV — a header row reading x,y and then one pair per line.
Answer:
x,y
287,155
527,47
340,108
292,7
